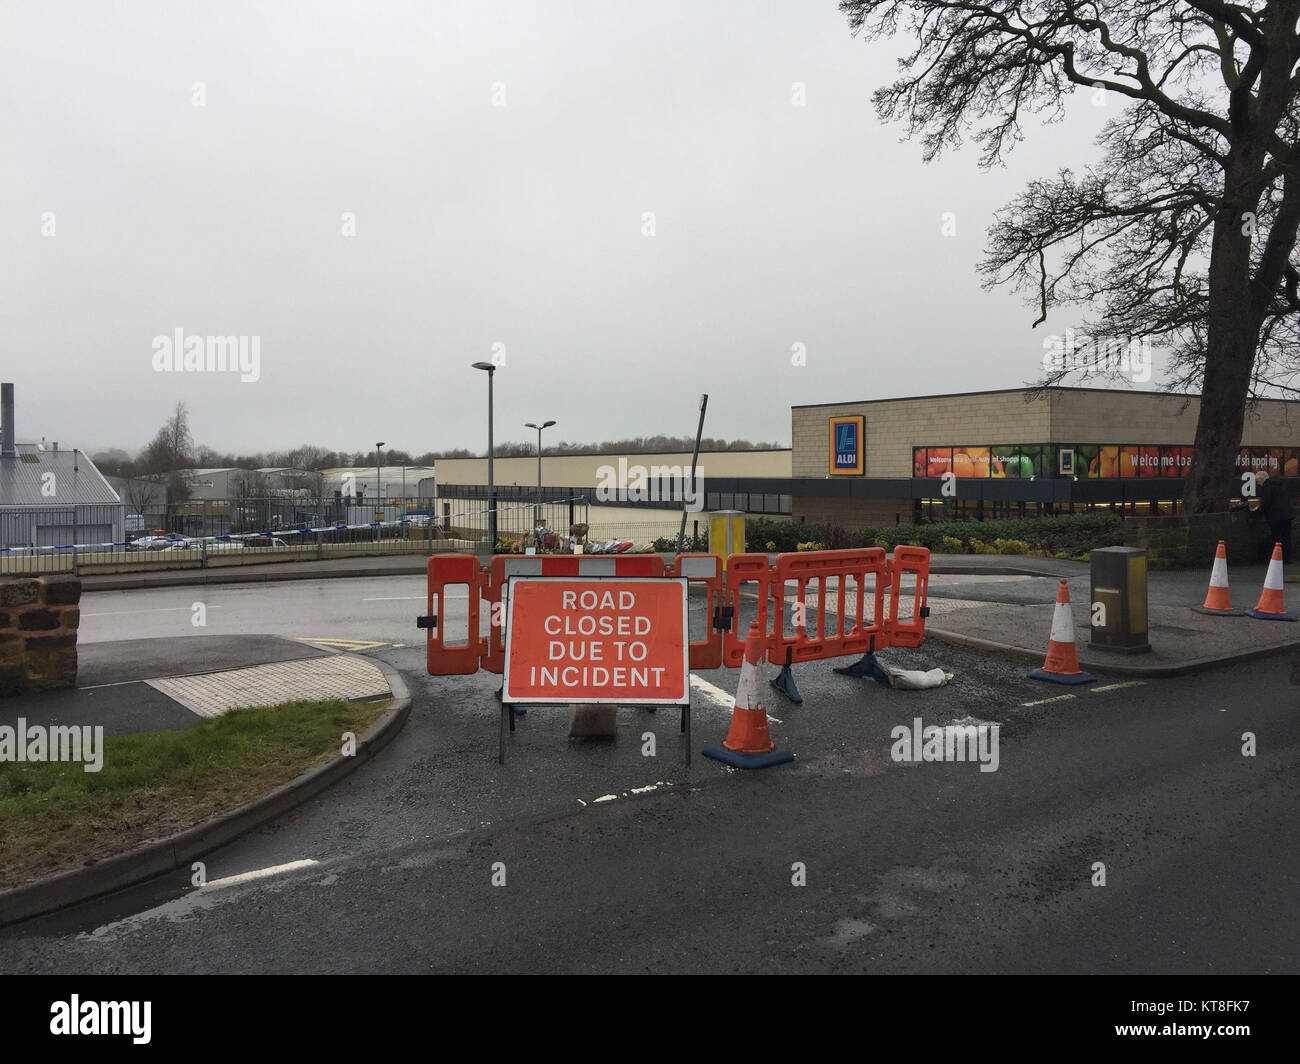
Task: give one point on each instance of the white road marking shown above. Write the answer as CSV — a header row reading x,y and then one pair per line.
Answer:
x,y
159,609
411,598
259,873
186,905
1044,701
720,696
635,790
1116,686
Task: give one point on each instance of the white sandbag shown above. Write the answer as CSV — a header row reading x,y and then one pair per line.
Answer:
x,y
916,679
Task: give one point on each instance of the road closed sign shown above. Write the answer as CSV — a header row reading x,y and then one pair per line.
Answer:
x,y
621,640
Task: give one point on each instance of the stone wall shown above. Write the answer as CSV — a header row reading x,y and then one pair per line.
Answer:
x,y
894,426
1191,539
38,633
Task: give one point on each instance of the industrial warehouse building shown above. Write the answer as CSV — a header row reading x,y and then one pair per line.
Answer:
x,y
583,487
1011,452
51,497
84,509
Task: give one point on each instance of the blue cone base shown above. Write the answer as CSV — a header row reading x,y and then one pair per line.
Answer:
x,y
1269,616
866,666
734,757
1056,677
784,684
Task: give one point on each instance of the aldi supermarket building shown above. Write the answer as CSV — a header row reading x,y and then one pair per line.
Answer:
x,y
1013,453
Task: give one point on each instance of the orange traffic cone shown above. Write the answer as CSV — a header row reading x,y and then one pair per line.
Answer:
x,y
1270,606
1216,599
748,744
1062,664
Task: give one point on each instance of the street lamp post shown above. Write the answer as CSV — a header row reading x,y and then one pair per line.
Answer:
x,y
379,488
543,425
490,369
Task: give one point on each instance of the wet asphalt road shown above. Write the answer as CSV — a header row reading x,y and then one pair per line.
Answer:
x,y
909,867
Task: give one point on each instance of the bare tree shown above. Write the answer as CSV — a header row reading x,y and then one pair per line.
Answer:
x,y
139,495
169,452
1185,230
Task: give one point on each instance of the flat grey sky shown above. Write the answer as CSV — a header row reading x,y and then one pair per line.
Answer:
x,y
502,164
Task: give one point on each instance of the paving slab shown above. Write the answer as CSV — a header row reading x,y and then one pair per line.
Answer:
x,y
112,692
342,676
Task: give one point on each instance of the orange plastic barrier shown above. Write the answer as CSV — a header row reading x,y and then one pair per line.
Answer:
x,y
909,633
504,566
442,659
858,624
746,569
703,569
857,620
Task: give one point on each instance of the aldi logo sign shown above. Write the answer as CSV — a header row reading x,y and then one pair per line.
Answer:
x,y
847,445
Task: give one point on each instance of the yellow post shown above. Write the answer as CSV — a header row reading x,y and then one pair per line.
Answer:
x,y
726,534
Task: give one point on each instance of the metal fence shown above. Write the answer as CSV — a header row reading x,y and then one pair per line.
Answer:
x,y
203,535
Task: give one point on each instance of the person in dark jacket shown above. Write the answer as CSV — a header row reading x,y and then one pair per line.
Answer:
x,y
1276,508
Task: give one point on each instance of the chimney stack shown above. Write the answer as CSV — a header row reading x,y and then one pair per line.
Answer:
x,y
7,448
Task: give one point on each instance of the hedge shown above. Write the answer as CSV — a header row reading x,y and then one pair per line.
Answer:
x,y
1067,534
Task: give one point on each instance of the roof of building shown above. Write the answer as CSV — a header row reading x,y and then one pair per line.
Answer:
x,y
389,471
76,480
208,471
1009,391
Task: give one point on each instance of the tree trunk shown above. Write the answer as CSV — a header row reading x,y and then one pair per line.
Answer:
x,y
1232,338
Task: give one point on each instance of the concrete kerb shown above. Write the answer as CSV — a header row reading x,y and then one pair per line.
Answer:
x,y
1118,666
128,869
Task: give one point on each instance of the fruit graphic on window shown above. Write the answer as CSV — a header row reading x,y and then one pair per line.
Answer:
x,y
1020,465
937,462
979,457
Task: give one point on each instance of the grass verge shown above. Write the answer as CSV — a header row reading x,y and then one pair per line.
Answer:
x,y
56,816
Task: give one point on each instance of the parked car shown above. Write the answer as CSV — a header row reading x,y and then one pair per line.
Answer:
x,y
155,542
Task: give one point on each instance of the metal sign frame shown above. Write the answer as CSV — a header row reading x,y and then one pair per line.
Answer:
x,y
507,710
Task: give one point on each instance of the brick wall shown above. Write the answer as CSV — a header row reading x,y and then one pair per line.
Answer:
x,y
38,633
